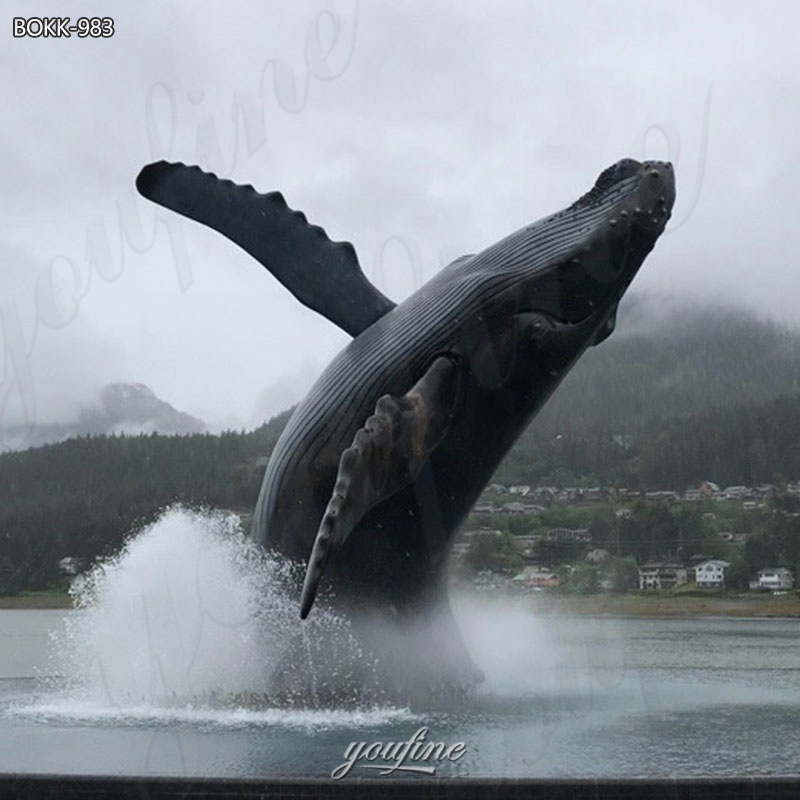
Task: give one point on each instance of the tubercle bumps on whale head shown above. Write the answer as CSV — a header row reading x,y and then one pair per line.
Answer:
x,y
638,197
655,196
621,218
637,192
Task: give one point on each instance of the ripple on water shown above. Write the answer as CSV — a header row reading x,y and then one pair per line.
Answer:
x,y
76,712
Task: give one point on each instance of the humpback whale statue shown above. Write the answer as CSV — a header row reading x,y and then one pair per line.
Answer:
x,y
381,463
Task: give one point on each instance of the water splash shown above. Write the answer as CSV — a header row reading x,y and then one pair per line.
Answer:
x,y
193,622
169,618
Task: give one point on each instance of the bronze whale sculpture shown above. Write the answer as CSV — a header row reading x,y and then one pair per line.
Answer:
x,y
382,461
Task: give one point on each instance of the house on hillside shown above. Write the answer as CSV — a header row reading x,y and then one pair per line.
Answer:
x,y
594,494
738,492
710,574
709,488
661,575
661,496
569,535
773,580
537,578
544,494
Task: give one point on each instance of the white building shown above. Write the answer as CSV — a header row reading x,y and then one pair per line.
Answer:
x,y
711,574
661,575
773,580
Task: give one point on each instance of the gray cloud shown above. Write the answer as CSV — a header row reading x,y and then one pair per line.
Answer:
x,y
444,126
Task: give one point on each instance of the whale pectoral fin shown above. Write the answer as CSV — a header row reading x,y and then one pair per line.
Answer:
x,y
321,274
387,455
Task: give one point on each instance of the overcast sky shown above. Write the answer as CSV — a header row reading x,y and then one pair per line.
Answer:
x,y
418,131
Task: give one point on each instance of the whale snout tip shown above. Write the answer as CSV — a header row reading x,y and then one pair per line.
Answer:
x,y
656,192
659,171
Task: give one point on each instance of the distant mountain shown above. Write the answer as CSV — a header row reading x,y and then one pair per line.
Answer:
x,y
133,408
665,360
129,408
676,396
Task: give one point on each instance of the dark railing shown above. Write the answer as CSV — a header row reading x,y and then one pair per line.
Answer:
x,y
44,787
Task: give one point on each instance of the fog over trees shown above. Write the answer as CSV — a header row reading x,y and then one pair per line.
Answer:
x,y
697,396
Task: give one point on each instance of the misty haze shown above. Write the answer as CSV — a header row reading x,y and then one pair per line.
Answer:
x,y
627,582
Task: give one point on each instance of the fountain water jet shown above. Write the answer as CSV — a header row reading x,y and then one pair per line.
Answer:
x,y
192,612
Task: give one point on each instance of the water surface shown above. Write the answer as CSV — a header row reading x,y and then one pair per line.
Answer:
x,y
155,676
564,697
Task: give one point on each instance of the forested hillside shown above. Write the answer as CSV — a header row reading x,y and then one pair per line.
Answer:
x,y
686,361
83,496
701,396
751,444
667,405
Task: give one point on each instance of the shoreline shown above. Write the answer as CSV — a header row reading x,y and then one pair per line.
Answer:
x,y
653,606
46,601
670,606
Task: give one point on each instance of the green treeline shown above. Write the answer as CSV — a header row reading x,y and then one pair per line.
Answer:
x,y
692,397
750,445
699,396
82,497
684,362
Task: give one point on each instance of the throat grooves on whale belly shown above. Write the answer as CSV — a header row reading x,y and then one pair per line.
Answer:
x,y
419,328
